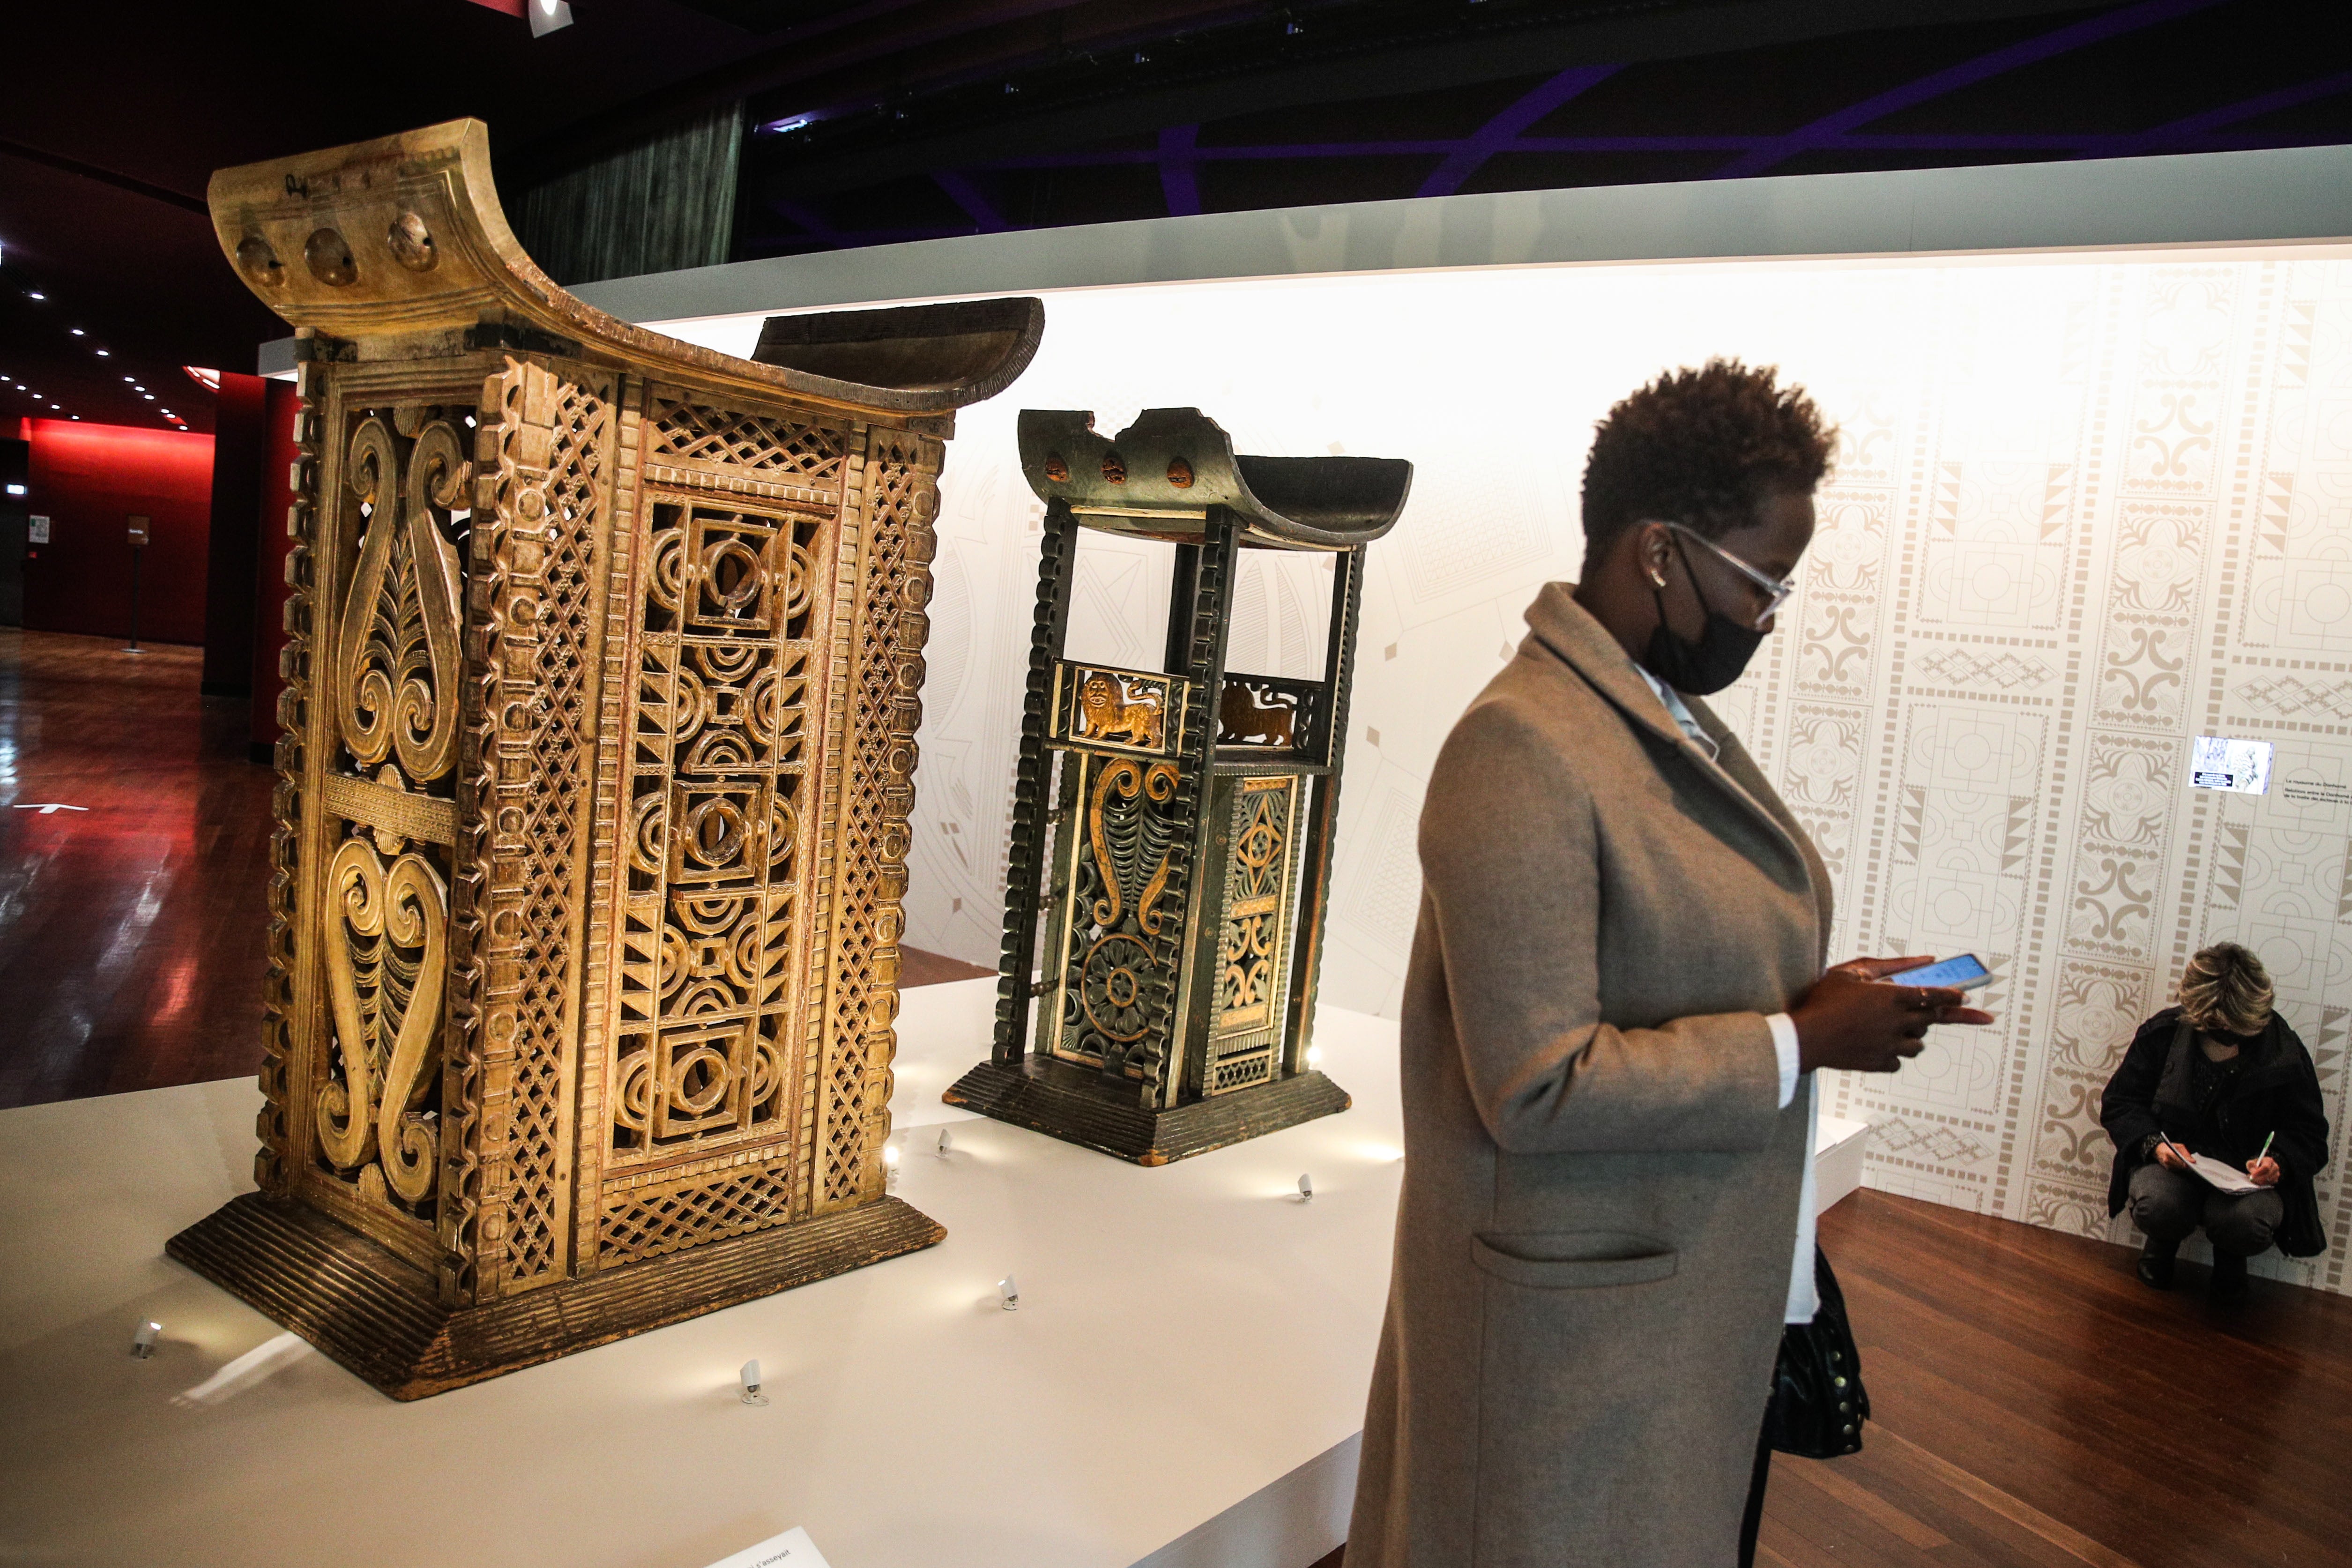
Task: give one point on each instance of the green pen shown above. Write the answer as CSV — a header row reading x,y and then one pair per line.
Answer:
x,y
2266,1146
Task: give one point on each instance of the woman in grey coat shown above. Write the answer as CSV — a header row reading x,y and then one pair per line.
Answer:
x,y
1615,1003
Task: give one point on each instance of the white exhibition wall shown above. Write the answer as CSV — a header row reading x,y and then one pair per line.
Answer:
x,y
2083,508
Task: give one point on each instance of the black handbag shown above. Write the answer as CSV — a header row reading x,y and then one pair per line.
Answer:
x,y
1818,1401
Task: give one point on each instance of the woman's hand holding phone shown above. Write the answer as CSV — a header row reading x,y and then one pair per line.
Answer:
x,y
1852,1019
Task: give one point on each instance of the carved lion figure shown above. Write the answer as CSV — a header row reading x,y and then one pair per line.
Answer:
x,y
1247,716
1106,712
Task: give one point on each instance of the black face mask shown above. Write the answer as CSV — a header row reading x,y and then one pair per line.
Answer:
x,y
1713,662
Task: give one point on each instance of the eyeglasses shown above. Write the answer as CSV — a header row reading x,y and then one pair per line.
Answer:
x,y
1776,590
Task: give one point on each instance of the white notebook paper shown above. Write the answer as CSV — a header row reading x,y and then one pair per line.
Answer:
x,y
2224,1178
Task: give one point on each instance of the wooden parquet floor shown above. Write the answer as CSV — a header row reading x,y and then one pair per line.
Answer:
x,y
2036,1406
131,929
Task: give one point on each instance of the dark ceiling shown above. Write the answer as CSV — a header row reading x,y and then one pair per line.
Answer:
x,y
916,118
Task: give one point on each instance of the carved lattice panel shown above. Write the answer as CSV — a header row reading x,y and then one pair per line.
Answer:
x,y
695,433
647,1222
546,455
718,826
901,498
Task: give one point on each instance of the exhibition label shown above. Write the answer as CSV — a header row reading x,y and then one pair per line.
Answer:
x,y
2221,764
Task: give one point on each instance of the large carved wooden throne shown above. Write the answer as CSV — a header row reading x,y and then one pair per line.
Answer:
x,y
1190,809
599,719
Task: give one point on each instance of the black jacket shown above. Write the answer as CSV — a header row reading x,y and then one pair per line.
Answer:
x,y
2276,1089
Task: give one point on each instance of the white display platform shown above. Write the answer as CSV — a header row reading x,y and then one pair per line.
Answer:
x,y
1182,1385
1838,1146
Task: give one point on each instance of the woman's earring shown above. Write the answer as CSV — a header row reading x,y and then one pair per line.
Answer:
x,y
1657,577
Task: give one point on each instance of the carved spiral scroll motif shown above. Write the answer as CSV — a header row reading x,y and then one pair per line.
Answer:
x,y
396,658
1127,839
1115,988
386,958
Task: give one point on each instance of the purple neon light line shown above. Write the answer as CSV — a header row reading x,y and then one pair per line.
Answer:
x,y
1498,134
1827,130
2098,143
2094,143
970,197
2199,126
1179,178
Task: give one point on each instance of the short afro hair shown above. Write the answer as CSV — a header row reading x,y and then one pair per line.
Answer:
x,y
1702,448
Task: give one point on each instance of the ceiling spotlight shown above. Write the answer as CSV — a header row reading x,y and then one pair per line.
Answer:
x,y
203,377
35,294
101,353
547,17
77,331
134,385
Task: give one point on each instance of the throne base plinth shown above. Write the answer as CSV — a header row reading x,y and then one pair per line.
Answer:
x,y
380,1316
1068,1101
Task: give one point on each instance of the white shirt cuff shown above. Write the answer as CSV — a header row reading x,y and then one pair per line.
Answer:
x,y
1784,1044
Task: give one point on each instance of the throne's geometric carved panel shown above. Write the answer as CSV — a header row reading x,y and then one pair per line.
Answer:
x,y
709,1034
1253,937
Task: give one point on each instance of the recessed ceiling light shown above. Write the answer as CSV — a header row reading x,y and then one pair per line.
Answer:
x,y
35,294
77,331
135,386
101,353
150,396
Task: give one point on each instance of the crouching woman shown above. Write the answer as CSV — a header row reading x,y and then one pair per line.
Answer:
x,y
2220,1075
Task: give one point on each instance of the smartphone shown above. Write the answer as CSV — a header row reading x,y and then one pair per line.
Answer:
x,y
1965,973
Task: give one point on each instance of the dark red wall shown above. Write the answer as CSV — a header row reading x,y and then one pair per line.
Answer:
x,y
87,479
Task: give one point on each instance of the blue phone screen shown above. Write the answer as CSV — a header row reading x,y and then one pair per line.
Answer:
x,y
1957,971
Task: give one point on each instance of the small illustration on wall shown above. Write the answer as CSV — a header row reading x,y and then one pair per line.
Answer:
x,y
1177,915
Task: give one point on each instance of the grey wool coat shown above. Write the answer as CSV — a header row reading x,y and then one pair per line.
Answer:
x,y
1600,1188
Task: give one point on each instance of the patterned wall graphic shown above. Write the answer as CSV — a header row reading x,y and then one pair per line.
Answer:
x,y
2083,511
